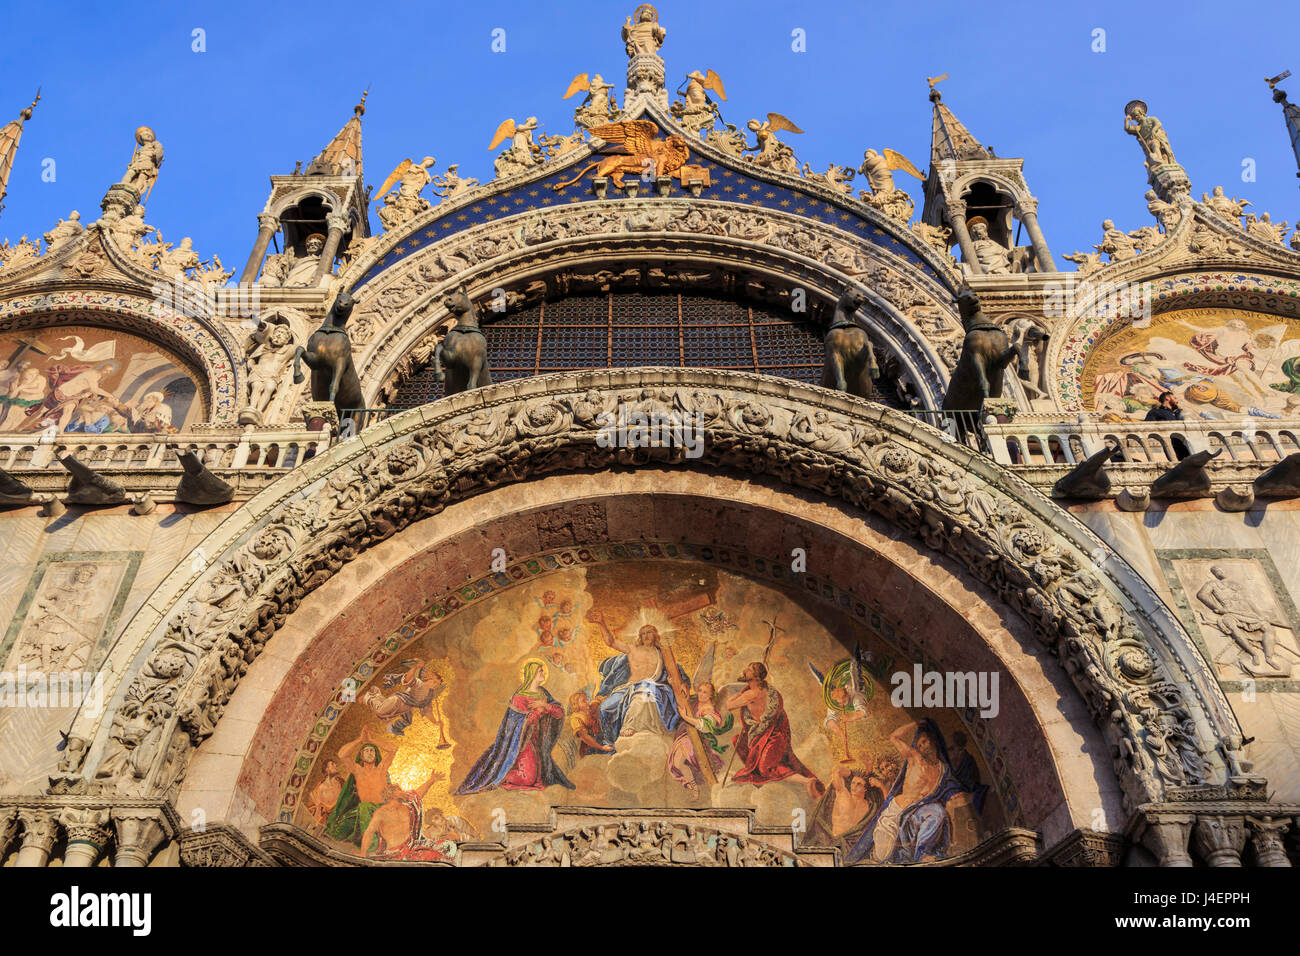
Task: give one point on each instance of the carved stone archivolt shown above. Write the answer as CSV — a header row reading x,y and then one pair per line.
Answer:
x,y
1130,659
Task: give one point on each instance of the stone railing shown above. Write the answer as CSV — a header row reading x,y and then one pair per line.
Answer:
x,y
1042,448
248,457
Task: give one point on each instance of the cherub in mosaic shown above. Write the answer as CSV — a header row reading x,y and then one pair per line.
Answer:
x,y
82,379
646,684
1219,363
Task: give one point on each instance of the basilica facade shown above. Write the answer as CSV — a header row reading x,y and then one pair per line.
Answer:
x,y
661,501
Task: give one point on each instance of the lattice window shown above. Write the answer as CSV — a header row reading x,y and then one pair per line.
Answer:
x,y
623,329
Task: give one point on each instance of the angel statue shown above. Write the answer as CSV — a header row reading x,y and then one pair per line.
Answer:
x,y
638,152
406,203
599,107
772,153
645,36
885,195
522,152
696,111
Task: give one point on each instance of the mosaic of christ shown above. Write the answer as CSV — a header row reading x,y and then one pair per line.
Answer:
x,y
1219,363
646,684
81,379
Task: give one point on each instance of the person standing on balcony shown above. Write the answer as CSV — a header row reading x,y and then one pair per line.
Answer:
x,y
1167,410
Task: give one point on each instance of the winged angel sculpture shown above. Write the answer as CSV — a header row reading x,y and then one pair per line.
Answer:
x,y
638,152
772,153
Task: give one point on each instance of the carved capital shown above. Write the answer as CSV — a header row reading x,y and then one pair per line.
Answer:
x,y
1026,206
1166,834
8,830
1219,840
337,221
956,208
40,830
268,221
1266,835
138,832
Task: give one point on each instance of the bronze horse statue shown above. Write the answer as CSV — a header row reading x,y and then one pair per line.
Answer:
x,y
985,353
850,362
328,354
460,360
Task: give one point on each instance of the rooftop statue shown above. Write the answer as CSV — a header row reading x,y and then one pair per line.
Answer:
x,y
885,195
452,184
522,152
1223,207
1150,134
645,36
406,203
142,171
599,107
696,111
771,152
65,231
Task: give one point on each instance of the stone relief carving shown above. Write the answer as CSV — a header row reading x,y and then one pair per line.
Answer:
x,y
242,601
644,843
1248,633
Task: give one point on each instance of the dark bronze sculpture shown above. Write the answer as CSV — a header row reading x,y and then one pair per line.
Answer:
x,y
1088,479
850,362
985,354
1282,480
88,488
329,356
1188,477
198,486
460,360
13,491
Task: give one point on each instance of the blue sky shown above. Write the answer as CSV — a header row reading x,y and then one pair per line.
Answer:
x,y
276,82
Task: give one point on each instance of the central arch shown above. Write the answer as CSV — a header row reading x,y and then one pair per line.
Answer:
x,y
1125,654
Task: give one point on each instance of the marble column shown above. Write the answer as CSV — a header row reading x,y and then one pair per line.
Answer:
x,y
88,834
267,226
337,223
957,219
39,833
1027,211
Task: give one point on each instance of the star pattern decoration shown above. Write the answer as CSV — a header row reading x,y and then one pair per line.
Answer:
x,y
730,184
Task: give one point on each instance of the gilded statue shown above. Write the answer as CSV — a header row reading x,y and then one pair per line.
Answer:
x,y
770,152
641,152
696,110
406,203
599,107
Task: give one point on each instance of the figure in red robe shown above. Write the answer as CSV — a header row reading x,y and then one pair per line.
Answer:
x,y
764,739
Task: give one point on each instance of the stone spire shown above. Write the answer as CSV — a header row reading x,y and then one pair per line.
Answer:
x,y
342,157
949,137
9,137
1290,113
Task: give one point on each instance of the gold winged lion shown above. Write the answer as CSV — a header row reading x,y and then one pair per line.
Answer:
x,y
639,152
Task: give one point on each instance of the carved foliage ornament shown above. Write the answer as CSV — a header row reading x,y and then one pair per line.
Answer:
x,y
239,603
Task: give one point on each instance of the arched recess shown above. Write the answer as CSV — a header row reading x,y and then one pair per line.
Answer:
x,y
402,308
203,343
185,652
1054,768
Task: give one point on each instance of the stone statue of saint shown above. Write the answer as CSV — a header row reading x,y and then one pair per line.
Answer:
x,y
303,270
1150,134
129,230
645,36
268,360
142,171
180,260
992,256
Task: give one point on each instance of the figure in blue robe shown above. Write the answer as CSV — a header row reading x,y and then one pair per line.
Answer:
x,y
520,757
619,693
924,829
